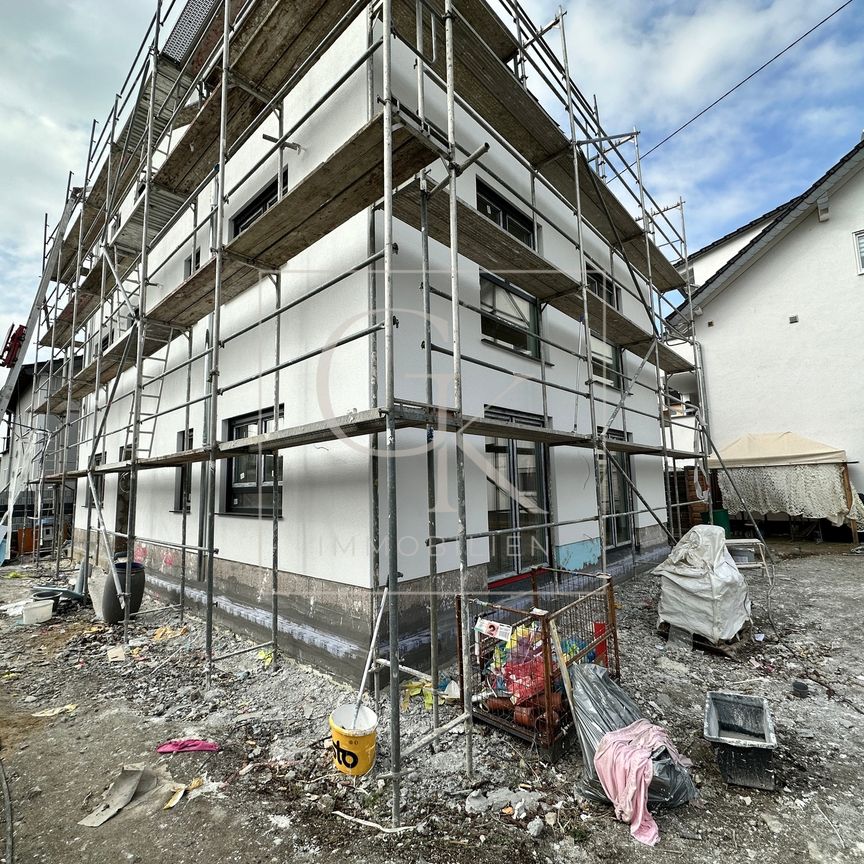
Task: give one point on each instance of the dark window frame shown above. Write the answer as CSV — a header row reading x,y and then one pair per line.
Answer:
x,y
608,374
505,215
183,475
497,324
602,285
187,263
98,482
258,206
261,487
515,543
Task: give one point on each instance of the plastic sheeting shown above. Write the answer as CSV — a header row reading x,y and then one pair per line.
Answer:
x,y
601,707
701,590
812,491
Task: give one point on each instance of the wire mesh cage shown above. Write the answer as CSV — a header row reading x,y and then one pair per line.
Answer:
x,y
515,666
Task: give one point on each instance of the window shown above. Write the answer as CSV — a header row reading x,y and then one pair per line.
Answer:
x,y
517,313
859,251
249,488
516,323
606,363
260,204
187,264
615,498
504,214
98,482
602,285
183,475
515,499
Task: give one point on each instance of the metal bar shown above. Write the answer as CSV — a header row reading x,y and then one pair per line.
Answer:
x,y
142,324
213,419
435,734
465,664
281,310
390,436
260,645
366,331
583,278
369,661
431,492
185,477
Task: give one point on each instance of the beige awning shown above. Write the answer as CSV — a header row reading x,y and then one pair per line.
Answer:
x,y
776,448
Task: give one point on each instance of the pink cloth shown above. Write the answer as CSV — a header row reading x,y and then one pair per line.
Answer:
x,y
623,764
187,745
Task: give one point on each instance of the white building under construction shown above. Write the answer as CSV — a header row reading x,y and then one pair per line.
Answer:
x,y
345,306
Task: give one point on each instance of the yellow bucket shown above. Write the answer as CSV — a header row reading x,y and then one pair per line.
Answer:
x,y
354,741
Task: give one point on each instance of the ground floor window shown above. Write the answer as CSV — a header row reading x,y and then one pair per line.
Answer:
x,y
183,475
516,500
615,496
249,487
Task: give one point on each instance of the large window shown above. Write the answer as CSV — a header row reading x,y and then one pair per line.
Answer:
x,y
262,202
615,497
183,475
859,250
515,500
517,316
503,213
602,285
249,488
606,363
98,482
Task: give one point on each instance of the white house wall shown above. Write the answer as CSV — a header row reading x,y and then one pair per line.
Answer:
x,y
765,374
324,531
572,472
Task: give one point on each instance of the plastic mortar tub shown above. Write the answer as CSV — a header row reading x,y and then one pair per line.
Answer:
x,y
354,741
37,611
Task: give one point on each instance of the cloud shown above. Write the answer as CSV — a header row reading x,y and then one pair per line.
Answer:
x,y
654,65
60,65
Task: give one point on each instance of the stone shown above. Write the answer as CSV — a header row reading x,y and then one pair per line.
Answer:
x,y
772,822
535,827
326,804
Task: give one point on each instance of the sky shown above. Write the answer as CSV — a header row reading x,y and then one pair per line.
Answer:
x,y
652,65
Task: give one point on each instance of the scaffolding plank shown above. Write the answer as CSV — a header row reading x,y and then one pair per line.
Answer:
x,y
164,205
192,158
268,47
493,90
192,299
61,330
345,183
494,249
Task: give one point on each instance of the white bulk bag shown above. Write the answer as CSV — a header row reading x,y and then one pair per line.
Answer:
x,y
701,589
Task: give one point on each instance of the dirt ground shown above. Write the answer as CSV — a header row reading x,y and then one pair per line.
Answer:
x,y
271,795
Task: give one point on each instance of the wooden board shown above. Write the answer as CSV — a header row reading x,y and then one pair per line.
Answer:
x,y
492,89
347,182
484,242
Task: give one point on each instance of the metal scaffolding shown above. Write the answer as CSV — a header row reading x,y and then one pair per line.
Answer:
x,y
222,72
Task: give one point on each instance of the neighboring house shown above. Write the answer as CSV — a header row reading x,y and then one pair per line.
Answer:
x,y
32,445
780,317
331,538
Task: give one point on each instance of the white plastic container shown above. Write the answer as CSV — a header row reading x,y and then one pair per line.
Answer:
x,y
37,611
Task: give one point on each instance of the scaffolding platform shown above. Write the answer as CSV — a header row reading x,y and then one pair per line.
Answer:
x,y
268,46
129,146
498,251
345,184
372,421
482,46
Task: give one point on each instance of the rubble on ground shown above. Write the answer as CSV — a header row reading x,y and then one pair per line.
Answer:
x,y
274,771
